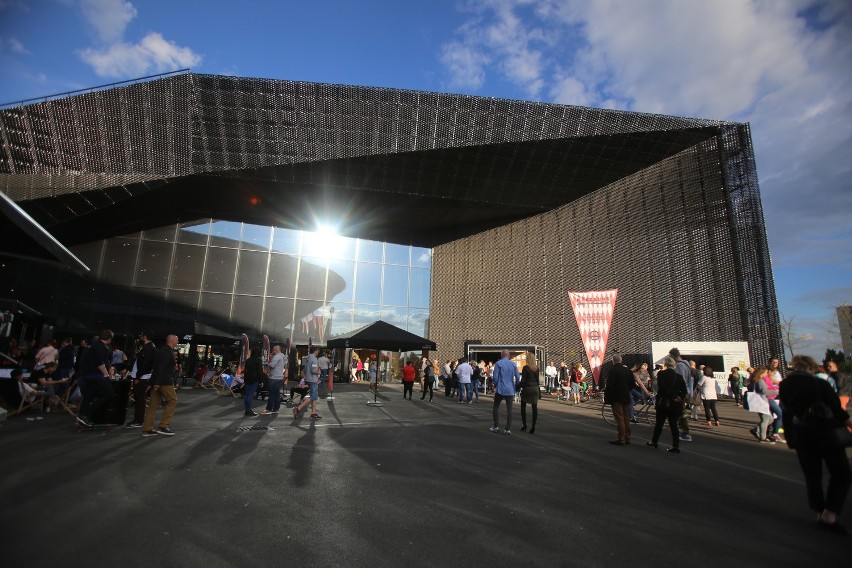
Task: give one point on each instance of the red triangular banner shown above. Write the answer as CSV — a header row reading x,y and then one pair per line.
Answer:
x,y
593,311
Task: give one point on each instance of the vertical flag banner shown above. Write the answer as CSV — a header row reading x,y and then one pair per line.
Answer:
x,y
593,311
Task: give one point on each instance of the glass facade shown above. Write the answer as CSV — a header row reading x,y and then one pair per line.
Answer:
x,y
254,279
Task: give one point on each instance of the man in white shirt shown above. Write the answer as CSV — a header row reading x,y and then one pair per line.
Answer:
x,y
277,370
550,377
464,372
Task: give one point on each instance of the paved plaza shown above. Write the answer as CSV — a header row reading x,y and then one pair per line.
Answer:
x,y
403,484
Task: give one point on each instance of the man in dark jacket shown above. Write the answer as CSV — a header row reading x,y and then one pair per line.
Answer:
x,y
162,387
811,409
144,366
617,394
94,378
252,376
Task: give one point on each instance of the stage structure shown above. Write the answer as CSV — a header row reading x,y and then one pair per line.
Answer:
x,y
520,202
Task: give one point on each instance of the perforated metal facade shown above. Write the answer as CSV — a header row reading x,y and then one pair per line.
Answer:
x,y
522,201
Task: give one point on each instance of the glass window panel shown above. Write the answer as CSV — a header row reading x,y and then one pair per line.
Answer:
x,y
396,254
419,292
369,251
247,312
311,284
311,321
251,274
341,280
286,240
120,261
397,316
421,257
368,283
344,248
90,254
365,315
219,272
395,285
340,316
255,237
184,301
194,233
277,317
215,308
282,275
154,263
188,267
225,234
418,322
324,245
165,234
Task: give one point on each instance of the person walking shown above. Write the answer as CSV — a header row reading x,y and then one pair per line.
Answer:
x,y
617,394
811,409
550,374
407,380
464,371
707,384
505,379
475,383
671,394
682,368
162,388
757,385
735,383
428,379
311,374
94,378
277,367
252,376
447,376
142,369
530,391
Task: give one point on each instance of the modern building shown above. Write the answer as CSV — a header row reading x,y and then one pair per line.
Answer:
x,y
844,323
191,198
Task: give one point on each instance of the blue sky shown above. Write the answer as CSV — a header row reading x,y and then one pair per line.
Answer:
x,y
783,66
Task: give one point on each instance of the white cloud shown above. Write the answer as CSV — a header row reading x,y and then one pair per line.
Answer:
x,y
466,65
151,55
108,18
16,46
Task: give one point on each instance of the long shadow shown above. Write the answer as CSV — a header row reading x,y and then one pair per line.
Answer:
x,y
302,455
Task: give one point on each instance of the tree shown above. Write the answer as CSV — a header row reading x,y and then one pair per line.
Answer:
x,y
791,339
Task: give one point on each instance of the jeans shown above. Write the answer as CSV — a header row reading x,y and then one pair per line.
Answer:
x,y
524,414
474,387
777,426
464,392
811,454
672,417
495,409
273,404
635,396
710,408
428,384
248,393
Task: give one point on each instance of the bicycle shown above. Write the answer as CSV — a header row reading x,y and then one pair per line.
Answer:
x,y
645,412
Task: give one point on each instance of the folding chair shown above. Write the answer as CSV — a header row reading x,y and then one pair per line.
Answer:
x,y
205,381
229,385
20,396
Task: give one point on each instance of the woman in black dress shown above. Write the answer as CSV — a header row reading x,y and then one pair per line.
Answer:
x,y
669,404
529,391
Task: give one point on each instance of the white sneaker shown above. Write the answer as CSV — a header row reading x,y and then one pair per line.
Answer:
x,y
494,429
508,432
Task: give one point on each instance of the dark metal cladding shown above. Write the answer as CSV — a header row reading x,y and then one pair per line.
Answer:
x,y
522,201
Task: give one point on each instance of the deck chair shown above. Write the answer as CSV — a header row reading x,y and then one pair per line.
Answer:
x,y
20,396
205,381
230,384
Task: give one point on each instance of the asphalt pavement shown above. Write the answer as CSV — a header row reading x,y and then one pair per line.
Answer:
x,y
404,483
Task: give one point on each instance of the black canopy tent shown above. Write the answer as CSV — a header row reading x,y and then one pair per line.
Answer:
x,y
383,336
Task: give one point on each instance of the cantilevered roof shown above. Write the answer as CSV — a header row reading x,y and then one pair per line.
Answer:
x,y
385,164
